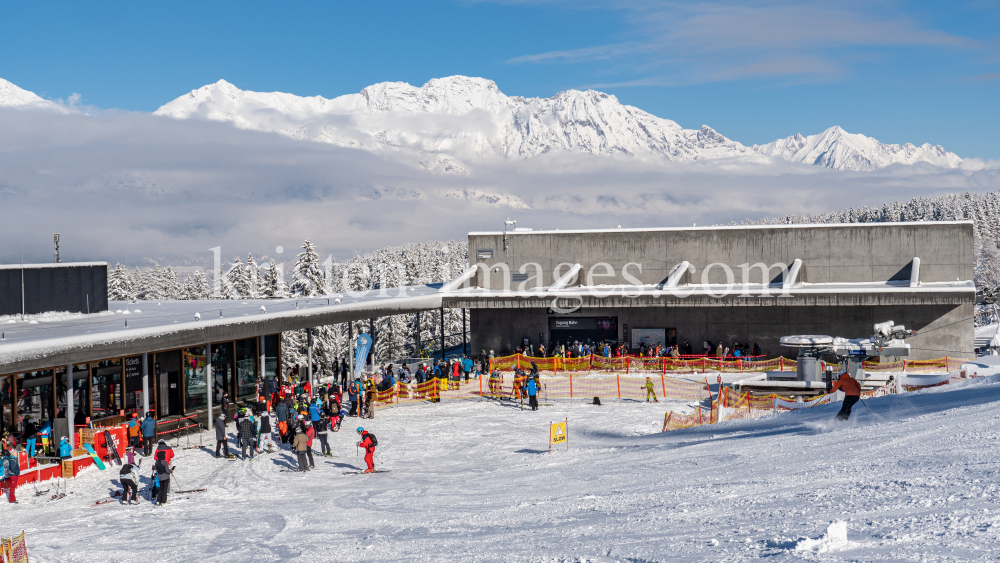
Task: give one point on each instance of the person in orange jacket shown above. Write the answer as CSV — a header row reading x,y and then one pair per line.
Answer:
x,y
852,394
369,445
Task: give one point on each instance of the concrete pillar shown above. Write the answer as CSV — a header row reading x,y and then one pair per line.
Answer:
x,y
464,338
209,383
418,334
442,333
70,415
145,384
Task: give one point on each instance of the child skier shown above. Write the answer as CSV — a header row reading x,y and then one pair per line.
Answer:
x,y
650,391
368,442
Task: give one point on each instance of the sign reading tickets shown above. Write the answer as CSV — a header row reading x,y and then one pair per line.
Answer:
x,y
559,434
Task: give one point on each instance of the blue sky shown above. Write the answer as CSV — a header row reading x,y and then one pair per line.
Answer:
x,y
755,71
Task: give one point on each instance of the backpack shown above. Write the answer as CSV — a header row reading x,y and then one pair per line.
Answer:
x,y
373,439
597,401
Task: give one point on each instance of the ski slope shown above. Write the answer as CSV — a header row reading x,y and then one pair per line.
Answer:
x,y
474,481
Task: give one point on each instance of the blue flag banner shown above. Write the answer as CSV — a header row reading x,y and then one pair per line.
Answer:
x,y
361,354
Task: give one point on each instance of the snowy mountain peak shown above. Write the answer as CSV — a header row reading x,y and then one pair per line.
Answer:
x,y
836,148
12,96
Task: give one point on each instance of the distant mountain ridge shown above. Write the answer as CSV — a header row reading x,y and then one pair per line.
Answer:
x,y
388,115
450,123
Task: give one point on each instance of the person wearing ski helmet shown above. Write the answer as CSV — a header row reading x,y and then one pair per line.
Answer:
x,y
852,394
649,390
369,445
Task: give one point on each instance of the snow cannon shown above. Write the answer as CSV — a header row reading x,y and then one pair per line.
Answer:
x,y
849,353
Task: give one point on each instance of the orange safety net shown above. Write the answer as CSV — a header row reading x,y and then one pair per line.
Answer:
x,y
638,365
14,550
676,421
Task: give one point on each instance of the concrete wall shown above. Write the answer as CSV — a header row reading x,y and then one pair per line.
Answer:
x,y
830,253
942,329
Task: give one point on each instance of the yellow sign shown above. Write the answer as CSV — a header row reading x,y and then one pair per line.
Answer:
x,y
560,433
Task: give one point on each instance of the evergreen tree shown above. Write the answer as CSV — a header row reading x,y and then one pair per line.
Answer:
x,y
274,286
171,285
307,277
239,281
119,284
253,278
195,287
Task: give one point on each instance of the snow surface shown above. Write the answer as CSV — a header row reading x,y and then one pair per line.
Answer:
x,y
454,120
12,96
471,481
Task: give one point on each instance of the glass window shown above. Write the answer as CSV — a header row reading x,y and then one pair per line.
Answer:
x,y
106,390
246,368
193,363
81,393
34,396
6,403
271,356
222,367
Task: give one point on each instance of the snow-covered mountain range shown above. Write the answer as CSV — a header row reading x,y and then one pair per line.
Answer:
x,y
449,124
460,118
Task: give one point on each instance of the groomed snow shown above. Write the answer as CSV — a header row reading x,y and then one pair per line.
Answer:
x,y
474,481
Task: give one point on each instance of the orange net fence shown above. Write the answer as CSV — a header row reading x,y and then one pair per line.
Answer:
x,y
644,366
14,550
502,385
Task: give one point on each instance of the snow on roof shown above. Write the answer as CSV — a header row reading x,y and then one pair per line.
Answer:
x,y
721,227
51,265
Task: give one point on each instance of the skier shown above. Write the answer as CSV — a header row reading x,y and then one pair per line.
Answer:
x,y
128,480
12,471
310,432
162,471
134,430
265,431
221,443
321,427
852,394
30,435
224,402
162,446
353,390
533,393
650,391
368,442
248,432
148,433
300,444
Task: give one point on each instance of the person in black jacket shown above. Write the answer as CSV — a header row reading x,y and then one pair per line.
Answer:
x,y
221,443
248,434
163,471
321,426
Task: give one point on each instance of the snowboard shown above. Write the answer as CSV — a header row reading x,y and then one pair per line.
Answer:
x,y
93,454
109,443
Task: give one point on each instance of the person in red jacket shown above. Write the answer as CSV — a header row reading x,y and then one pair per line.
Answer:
x,y
852,394
162,446
310,435
369,445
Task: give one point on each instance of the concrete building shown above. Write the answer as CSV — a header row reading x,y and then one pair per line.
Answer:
x,y
750,284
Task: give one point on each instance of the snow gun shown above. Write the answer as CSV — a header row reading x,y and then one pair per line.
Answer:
x,y
849,353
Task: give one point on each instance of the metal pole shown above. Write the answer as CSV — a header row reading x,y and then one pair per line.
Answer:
x,y
350,347
309,356
70,415
442,334
418,335
145,384
209,382
263,362
464,340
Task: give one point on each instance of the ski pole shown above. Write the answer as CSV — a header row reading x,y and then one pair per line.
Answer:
x,y
866,406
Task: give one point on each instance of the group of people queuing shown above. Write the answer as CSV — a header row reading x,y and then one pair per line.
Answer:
x,y
608,349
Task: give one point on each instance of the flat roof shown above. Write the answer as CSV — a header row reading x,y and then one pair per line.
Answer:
x,y
51,265
724,227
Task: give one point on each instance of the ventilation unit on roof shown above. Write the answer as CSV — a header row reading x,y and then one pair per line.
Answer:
x,y
484,253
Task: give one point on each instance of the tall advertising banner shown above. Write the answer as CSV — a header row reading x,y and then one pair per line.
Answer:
x,y
361,356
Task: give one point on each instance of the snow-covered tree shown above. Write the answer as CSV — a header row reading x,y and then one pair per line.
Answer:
x,y
239,281
307,277
171,284
195,287
119,284
253,277
273,284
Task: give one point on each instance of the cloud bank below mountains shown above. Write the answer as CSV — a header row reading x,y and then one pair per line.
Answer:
x,y
167,190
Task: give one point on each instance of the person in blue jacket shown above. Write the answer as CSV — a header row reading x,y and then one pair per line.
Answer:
x,y
533,393
314,411
65,450
467,367
148,434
